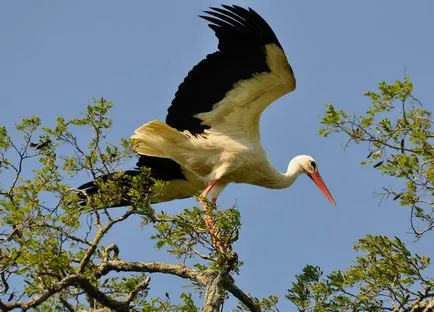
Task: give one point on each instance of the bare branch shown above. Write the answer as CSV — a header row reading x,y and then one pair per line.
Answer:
x,y
240,295
201,277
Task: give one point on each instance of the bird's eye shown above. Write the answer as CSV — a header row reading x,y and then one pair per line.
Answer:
x,y
313,164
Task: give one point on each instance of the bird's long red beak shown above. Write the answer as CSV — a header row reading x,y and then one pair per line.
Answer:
x,y
316,177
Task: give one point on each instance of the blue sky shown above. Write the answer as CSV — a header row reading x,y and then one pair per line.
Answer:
x,y
56,56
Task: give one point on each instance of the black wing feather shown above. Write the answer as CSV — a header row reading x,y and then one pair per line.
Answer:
x,y
242,36
232,20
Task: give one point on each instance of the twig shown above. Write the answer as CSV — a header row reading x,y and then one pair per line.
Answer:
x,y
98,236
141,286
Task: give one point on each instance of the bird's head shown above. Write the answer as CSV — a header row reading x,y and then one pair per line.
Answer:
x,y
309,166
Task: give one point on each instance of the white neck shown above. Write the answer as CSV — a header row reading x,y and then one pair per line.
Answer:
x,y
284,180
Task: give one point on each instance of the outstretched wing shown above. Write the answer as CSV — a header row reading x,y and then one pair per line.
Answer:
x,y
228,90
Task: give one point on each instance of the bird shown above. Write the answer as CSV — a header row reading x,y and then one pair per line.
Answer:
x,y
211,135
212,125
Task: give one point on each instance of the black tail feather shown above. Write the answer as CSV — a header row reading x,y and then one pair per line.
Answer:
x,y
163,169
123,184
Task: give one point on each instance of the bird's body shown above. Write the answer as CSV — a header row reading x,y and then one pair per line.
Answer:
x,y
212,126
218,139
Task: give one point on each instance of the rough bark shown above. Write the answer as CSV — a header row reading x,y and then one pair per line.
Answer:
x,y
214,294
424,306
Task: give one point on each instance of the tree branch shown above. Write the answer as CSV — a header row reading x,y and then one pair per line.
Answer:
x,y
214,294
67,305
99,235
73,280
101,297
240,295
141,286
201,277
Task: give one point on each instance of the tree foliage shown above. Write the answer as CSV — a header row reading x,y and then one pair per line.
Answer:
x,y
54,255
398,134
53,251
386,277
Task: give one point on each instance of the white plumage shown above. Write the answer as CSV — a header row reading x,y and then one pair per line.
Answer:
x,y
212,128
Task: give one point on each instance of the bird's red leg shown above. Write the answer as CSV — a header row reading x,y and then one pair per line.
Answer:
x,y
215,237
208,188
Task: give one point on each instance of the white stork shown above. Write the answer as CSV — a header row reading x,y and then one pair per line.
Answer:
x,y
211,134
212,126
